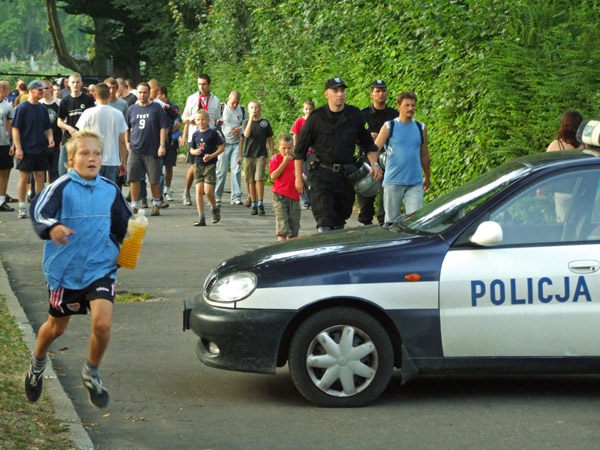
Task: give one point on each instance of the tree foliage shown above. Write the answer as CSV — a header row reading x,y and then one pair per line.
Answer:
x,y
493,77
23,28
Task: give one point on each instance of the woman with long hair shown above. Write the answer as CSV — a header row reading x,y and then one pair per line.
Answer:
x,y
565,138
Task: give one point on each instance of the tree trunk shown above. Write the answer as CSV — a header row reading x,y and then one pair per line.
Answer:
x,y
59,44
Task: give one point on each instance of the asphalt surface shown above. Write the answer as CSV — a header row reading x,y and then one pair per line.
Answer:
x,y
150,365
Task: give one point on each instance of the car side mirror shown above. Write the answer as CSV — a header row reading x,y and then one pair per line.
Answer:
x,y
488,234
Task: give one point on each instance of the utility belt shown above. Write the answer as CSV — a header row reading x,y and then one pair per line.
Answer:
x,y
314,163
334,167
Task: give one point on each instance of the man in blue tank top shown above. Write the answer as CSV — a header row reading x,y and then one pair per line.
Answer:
x,y
407,164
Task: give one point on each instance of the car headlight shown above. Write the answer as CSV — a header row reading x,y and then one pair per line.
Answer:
x,y
232,288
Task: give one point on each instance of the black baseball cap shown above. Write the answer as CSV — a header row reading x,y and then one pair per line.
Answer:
x,y
334,83
378,84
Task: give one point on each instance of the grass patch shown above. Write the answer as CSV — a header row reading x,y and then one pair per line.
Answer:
x,y
23,425
131,297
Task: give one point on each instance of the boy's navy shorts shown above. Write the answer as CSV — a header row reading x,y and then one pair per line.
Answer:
x,y
66,302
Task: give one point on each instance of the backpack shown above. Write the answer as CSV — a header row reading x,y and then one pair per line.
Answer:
x,y
391,131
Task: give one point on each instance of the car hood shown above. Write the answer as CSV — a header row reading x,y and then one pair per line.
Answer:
x,y
365,254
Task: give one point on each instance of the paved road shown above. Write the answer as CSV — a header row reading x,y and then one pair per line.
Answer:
x,y
163,397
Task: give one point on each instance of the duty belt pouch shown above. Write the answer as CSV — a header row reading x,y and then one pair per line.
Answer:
x,y
350,170
313,162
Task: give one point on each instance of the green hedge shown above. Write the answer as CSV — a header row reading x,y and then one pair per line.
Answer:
x,y
493,77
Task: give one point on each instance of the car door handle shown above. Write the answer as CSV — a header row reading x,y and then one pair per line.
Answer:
x,y
584,266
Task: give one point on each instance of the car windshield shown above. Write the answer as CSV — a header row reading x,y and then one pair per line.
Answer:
x,y
448,209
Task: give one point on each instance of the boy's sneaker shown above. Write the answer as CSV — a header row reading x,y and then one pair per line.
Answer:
x,y
143,203
201,222
155,210
248,203
216,215
261,210
134,210
97,395
163,204
237,202
22,212
168,195
33,384
4,207
187,200
254,211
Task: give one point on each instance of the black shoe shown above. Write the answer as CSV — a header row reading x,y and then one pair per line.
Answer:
x,y
261,210
201,222
4,207
216,215
34,382
97,395
254,211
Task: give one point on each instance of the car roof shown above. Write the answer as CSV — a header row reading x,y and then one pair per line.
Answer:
x,y
564,158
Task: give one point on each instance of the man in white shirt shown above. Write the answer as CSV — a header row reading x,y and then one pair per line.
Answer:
x,y
203,99
109,123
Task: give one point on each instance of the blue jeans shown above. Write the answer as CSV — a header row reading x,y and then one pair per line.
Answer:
x,y
229,158
109,172
392,199
62,160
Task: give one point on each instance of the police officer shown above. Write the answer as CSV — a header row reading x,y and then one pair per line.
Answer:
x,y
375,115
333,131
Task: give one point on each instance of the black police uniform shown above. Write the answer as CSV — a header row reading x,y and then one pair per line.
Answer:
x,y
333,135
375,119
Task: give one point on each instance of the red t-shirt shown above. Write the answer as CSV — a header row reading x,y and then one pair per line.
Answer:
x,y
285,184
298,124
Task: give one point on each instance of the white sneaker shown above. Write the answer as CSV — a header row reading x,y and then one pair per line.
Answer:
x,y
169,195
22,212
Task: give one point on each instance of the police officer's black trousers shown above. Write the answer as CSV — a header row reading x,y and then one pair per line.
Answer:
x,y
331,197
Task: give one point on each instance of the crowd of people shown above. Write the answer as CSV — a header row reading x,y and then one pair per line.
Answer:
x,y
86,146
142,131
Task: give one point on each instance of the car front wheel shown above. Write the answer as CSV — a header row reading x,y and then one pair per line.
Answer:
x,y
341,357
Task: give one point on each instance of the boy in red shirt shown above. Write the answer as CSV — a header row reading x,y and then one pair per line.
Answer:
x,y
286,205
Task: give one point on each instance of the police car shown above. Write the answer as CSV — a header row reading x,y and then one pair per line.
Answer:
x,y
498,276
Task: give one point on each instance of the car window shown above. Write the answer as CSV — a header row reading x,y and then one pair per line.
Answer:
x,y
448,209
561,208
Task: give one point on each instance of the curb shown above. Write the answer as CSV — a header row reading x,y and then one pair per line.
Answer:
x,y
63,407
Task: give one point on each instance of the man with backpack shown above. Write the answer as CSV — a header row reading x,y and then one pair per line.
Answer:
x,y
233,115
407,172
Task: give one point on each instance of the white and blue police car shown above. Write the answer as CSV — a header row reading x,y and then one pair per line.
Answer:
x,y
501,275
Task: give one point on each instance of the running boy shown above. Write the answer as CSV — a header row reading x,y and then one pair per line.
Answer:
x,y
286,205
205,147
83,218
258,146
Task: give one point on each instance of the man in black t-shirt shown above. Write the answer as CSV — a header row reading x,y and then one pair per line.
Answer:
x,y
71,108
52,107
375,115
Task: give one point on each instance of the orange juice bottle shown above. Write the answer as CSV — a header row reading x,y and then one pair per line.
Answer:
x,y
132,244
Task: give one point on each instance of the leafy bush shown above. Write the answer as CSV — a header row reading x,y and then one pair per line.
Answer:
x,y
493,77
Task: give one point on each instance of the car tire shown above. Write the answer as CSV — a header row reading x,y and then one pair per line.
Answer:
x,y
341,357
